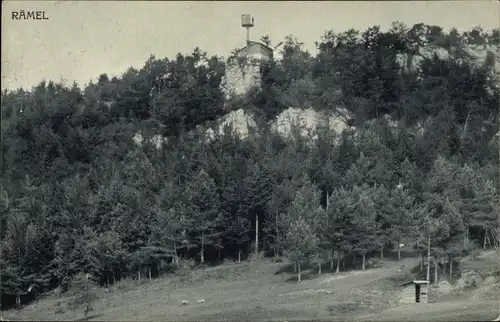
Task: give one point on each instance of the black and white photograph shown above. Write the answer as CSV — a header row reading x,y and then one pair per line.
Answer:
x,y
250,161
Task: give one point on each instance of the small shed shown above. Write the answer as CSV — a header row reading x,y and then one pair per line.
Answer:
x,y
415,292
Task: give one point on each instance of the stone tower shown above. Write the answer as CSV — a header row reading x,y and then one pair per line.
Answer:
x,y
244,68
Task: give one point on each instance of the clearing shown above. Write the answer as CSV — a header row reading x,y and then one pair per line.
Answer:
x,y
254,290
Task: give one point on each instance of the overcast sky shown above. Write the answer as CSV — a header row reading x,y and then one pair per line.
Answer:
x,y
81,40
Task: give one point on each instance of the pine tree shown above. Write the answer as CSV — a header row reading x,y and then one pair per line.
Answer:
x,y
202,207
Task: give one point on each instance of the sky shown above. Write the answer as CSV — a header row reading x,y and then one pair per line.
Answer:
x,y
83,39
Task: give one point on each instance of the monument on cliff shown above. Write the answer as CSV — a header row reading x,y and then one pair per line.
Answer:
x,y
245,66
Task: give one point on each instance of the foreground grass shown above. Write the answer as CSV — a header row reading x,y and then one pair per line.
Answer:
x,y
254,291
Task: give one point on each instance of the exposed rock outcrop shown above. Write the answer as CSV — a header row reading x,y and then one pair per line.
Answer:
x,y
308,120
478,55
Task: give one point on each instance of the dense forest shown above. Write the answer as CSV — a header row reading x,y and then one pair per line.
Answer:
x,y
418,163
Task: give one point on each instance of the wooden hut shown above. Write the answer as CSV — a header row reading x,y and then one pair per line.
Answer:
x,y
415,292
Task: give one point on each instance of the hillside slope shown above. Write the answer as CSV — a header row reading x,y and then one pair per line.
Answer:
x,y
255,291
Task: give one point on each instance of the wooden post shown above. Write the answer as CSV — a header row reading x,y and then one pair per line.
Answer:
x,y
256,234
451,267
202,247
435,272
176,255
428,257
486,239
424,293
399,249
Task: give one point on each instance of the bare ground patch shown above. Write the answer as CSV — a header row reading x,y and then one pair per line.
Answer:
x,y
252,291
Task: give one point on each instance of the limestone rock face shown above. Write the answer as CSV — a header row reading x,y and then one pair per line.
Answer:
x,y
308,120
156,140
488,54
243,123
240,121
244,69
238,80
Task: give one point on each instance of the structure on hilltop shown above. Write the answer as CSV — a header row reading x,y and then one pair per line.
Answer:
x,y
245,66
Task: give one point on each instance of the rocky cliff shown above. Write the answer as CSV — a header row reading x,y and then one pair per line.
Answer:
x,y
309,119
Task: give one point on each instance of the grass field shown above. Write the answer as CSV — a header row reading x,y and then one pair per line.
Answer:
x,y
255,291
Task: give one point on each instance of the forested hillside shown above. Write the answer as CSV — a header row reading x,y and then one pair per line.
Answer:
x,y
419,160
